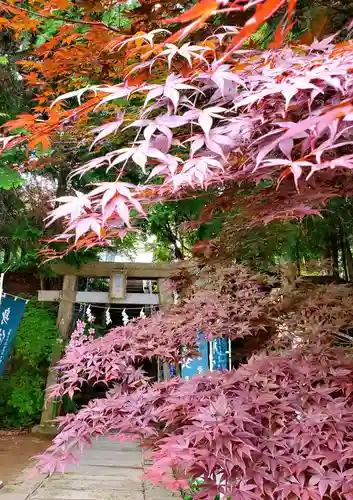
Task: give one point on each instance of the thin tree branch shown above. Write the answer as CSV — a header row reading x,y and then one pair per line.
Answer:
x,y
58,18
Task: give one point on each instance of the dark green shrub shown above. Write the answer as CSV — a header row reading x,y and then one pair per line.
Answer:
x,y
22,386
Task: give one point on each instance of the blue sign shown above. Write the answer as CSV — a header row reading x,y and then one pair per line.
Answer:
x,y
172,370
194,366
11,311
219,354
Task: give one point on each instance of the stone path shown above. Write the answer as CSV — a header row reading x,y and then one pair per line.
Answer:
x,y
108,471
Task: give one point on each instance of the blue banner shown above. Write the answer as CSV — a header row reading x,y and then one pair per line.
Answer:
x,y
219,355
198,365
11,311
172,370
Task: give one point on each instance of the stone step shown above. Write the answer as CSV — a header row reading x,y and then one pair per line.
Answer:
x,y
120,475
67,494
90,484
101,470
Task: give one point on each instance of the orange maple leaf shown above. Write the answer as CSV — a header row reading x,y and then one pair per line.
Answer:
x,y
59,4
263,12
33,78
30,64
23,121
44,140
282,31
203,9
4,22
40,109
183,32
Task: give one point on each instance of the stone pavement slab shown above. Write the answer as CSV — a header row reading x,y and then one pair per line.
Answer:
x,y
161,494
102,470
110,470
81,481
103,494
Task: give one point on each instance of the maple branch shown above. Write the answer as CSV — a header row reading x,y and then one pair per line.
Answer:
x,y
59,18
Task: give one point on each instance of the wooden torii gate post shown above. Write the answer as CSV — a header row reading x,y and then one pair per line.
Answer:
x,y
69,296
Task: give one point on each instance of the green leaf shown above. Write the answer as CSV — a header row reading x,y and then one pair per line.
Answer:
x,y
22,387
49,27
4,59
9,178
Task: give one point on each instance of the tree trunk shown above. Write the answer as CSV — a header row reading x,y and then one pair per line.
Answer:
x,y
334,254
349,261
343,251
61,189
178,253
347,255
57,226
297,256
7,255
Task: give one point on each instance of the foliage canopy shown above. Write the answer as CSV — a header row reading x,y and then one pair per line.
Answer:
x,y
263,135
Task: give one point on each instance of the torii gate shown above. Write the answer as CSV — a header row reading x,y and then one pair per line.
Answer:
x,y
118,273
